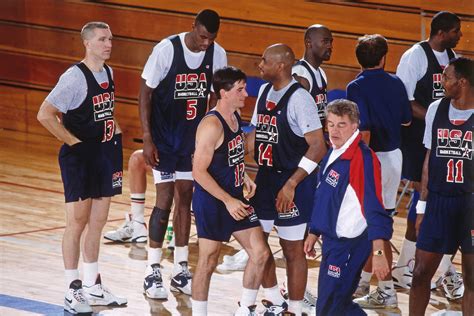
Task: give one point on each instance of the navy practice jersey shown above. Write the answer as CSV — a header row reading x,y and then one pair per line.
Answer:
x,y
93,120
179,102
451,169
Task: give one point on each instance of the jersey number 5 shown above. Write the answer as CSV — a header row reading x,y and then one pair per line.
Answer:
x,y
265,155
458,177
191,110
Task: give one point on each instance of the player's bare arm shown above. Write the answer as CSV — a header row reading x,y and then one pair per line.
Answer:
x,y
418,111
150,153
302,81
48,117
424,189
316,151
210,136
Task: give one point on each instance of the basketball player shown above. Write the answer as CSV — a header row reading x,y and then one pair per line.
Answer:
x,y
90,160
447,186
173,99
348,213
307,71
420,69
218,201
288,142
384,107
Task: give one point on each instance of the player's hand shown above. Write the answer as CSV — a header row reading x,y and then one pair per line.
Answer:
x,y
150,153
419,219
250,186
308,245
380,266
285,198
236,208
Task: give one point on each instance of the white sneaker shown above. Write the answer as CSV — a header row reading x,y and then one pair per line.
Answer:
x,y
246,311
453,286
153,284
237,262
98,294
75,301
130,231
402,277
378,299
363,289
181,282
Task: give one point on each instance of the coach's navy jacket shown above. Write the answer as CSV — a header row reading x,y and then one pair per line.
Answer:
x,y
348,198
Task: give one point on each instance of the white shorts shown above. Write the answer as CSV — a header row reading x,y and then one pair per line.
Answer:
x,y
162,177
291,233
391,165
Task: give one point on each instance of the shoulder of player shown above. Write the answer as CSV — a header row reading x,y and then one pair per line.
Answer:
x,y
219,49
164,44
434,106
211,123
72,74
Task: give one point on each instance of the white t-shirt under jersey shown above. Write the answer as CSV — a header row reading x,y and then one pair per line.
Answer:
x,y
71,89
413,66
160,60
456,116
301,71
301,109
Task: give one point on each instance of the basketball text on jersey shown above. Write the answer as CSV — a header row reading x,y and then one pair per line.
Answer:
x,y
267,130
438,90
453,144
190,85
103,106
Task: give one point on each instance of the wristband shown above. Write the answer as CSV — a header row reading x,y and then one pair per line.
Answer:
x,y
420,207
307,165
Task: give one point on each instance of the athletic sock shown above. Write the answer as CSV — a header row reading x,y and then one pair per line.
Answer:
x,y
365,277
295,307
199,308
70,275
387,287
446,267
407,252
249,296
137,206
154,255
273,295
91,269
180,255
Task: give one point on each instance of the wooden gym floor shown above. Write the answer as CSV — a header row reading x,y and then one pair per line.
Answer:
x,y
31,228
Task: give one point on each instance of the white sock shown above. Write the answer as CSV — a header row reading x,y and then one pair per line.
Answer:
x,y
154,255
249,296
273,295
446,266
365,277
70,275
407,252
387,287
91,269
295,307
180,255
199,308
137,207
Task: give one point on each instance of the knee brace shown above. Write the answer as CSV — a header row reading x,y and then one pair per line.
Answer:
x,y
158,224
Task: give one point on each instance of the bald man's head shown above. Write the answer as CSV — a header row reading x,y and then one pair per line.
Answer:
x,y
318,44
277,60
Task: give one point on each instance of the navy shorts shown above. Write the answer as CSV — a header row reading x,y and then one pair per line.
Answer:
x,y
269,182
91,169
448,224
413,153
341,264
171,163
213,221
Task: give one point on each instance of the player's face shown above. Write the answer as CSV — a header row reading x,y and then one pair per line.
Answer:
x,y
268,66
450,83
202,39
340,129
321,44
452,37
237,95
100,45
